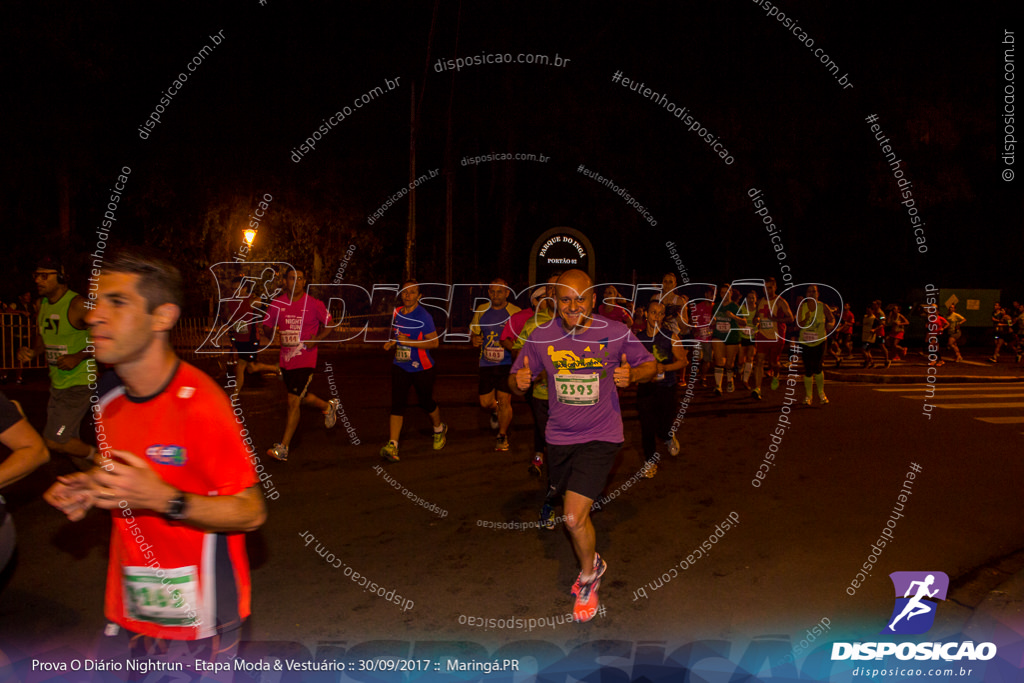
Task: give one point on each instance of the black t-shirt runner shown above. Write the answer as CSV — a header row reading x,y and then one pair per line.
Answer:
x,y
660,347
9,414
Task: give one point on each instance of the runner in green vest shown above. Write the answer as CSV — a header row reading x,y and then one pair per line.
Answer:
x,y
814,321
64,340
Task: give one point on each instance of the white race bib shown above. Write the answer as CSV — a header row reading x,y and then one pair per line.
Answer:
x,y
403,354
165,601
290,338
722,325
494,354
53,353
767,324
810,336
578,390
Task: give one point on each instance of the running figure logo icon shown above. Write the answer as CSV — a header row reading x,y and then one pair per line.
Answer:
x,y
917,596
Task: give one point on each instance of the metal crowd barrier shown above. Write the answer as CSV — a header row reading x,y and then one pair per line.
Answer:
x,y
187,336
17,331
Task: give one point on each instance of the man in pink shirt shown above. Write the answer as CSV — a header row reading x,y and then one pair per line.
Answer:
x,y
299,318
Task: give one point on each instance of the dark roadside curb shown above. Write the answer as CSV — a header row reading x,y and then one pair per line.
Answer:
x,y
994,593
974,369
916,378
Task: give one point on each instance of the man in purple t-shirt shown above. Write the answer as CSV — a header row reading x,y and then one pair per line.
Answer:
x,y
299,318
586,357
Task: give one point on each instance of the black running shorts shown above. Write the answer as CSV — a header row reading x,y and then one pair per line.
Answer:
x,y
582,468
297,380
494,378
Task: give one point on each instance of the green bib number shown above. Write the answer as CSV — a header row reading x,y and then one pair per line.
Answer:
x,y
578,390
54,352
165,601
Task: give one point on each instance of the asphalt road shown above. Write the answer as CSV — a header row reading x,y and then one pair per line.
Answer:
x,y
800,540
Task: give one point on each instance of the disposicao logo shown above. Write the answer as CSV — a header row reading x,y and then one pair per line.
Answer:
x,y
917,598
915,614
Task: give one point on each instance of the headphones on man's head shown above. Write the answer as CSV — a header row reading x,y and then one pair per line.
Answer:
x,y
50,263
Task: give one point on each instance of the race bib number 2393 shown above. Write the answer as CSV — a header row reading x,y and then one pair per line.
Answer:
x,y
579,390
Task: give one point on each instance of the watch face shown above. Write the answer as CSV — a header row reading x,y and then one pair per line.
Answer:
x,y
176,508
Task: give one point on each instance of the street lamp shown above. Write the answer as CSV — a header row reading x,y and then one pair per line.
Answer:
x,y
250,235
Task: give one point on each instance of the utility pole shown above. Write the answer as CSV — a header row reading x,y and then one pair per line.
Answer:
x,y
410,238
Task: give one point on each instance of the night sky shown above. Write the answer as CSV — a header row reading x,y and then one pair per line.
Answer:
x,y
81,78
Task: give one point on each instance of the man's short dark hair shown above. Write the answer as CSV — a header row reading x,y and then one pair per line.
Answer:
x,y
159,280
51,263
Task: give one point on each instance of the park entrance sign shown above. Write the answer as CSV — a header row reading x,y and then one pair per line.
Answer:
x,y
560,248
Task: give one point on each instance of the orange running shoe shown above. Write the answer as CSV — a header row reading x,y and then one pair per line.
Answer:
x,y
586,594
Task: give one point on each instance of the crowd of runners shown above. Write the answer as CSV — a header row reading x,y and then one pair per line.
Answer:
x,y
572,347
175,465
